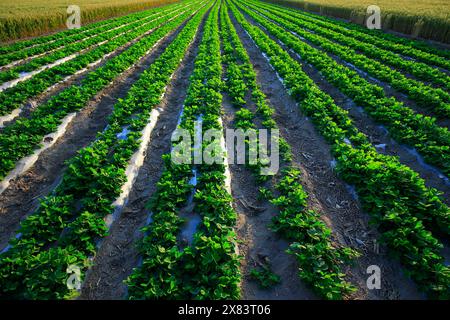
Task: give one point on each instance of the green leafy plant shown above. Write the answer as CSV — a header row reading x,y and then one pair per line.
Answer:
x,y
265,276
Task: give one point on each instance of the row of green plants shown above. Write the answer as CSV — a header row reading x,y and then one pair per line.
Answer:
x,y
43,49
408,215
419,70
107,33
425,96
404,125
25,135
14,97
320,261
20,45
65,229
416,49
208,268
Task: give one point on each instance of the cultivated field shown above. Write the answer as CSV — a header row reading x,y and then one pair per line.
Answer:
x,y
107,190
26,18
429,19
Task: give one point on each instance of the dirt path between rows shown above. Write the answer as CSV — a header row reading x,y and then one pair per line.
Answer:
x,y
22,196
328,194
118,254
257,243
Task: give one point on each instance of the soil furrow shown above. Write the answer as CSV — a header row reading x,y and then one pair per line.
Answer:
x,y
257,243
118,255
330,195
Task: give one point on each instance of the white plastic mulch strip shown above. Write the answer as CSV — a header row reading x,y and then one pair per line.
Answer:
x,y
26,163
135,164
426,166
26,75
227,175
9,246
227,167
9,117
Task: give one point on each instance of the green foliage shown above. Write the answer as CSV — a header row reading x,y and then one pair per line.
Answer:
x,y
46,117
209,267
404,125
320,262
405,210
265,276
65,228
293,222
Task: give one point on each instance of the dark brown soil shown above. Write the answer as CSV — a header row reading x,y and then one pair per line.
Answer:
x,y
22,196
118,255
328,194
